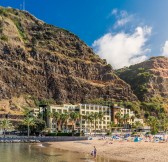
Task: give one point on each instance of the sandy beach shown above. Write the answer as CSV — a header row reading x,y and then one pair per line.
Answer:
x,y
122,151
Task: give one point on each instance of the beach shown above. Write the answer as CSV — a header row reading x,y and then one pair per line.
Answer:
x,y
119,150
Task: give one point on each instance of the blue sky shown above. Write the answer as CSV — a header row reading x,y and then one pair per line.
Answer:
x,y
124,32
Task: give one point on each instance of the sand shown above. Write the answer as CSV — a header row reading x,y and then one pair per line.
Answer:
x,y
122,151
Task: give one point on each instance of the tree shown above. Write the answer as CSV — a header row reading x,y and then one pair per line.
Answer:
x,y
137,124
101,115
118,117
38,126
64,119
5,124
111,126
91,120
132,118
74,116
163,122
153,123
28,121
96,117
56,119
125,118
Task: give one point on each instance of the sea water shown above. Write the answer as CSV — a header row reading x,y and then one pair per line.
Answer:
x,y
21,152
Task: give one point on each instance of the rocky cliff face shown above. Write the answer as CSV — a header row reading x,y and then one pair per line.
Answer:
x,y
49,62
148,79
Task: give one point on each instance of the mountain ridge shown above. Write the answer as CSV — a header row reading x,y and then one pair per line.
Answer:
x,y
48,62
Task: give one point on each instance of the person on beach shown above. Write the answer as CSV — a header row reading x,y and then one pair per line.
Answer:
x,y
94,152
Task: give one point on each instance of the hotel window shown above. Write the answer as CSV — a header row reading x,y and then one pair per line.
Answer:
x,y
100,122
104,118
91,108
83,122
107,118
64,111
104,122
83,112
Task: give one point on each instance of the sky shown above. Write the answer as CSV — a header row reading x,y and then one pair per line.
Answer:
x,y
124,32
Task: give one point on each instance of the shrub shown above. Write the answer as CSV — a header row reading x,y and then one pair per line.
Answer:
x,y
4,38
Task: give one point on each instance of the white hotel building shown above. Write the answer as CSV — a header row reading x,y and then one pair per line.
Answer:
x,y
83,109
86,109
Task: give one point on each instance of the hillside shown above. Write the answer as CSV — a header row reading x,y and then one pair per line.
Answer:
x,y
148,79
46,62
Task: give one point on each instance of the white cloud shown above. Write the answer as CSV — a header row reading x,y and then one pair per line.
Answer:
x,y
165,49
122,17
122,22
114,11
123,49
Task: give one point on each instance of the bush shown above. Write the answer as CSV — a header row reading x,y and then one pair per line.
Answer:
x,y
4,38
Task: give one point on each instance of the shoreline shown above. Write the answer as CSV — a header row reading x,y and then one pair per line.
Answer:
x,y
119,151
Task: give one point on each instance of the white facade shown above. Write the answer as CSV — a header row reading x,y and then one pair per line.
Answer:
x,y
61,109
86,109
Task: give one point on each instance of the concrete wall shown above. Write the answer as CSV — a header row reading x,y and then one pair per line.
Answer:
x,y
46,139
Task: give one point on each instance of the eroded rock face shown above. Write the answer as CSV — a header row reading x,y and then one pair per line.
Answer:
x,y
156,83
48,62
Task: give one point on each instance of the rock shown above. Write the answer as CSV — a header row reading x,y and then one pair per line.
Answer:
x,y
50,62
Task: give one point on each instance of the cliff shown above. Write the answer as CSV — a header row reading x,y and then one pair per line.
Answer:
x,y
47,62
148,79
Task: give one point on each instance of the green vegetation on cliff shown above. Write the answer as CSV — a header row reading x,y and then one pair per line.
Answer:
x,y
137,78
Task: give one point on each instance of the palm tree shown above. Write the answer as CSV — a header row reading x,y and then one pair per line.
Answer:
x,y
74,117
101,115
125,118
111,126
28,121
118,117
64,120
5,124
91,120
56,119
95,116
